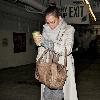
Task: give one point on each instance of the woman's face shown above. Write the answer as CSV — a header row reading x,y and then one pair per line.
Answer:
x,y
52,21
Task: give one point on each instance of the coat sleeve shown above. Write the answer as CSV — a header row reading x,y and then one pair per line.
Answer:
x,y
68,40
41,49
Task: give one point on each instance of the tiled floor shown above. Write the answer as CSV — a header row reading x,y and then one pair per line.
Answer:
x,y
19,83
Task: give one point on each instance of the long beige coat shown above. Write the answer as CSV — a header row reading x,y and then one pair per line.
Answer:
x,y
64,39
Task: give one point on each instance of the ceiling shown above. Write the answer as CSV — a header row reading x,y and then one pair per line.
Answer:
x,y
39,6
44,3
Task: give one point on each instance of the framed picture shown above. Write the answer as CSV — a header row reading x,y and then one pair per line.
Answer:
x,y
19,40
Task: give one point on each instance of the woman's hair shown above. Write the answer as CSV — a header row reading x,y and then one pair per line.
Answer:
x,y
52,9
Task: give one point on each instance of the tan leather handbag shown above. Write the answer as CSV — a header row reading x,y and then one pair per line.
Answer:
x,y
51,74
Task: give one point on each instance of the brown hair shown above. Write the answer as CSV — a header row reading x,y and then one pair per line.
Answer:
x,y
52,9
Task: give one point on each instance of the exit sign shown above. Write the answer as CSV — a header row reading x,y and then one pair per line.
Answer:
x,y
75,14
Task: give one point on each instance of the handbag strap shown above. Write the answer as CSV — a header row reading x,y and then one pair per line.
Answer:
x,y
51,56
43,55
65,59
55,57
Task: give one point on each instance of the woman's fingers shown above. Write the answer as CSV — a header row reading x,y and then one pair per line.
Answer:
x,y
37,39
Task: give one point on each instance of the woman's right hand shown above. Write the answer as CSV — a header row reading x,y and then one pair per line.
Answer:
x,y
37,39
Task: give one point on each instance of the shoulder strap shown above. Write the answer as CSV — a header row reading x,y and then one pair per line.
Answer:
x,y
65,59
43,54
55,58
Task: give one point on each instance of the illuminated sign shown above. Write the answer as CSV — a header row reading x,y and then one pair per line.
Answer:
x,y
76,14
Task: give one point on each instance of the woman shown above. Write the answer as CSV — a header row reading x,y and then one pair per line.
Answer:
x,y
57,35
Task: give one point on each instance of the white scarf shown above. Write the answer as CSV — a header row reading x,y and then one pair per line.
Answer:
x,y
52,34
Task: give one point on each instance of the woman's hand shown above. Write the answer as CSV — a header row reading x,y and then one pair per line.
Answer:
x,y
37,39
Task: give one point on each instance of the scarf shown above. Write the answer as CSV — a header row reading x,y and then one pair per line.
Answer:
x,y
50,36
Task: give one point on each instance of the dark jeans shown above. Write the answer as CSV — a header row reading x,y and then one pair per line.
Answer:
x,y
50,94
